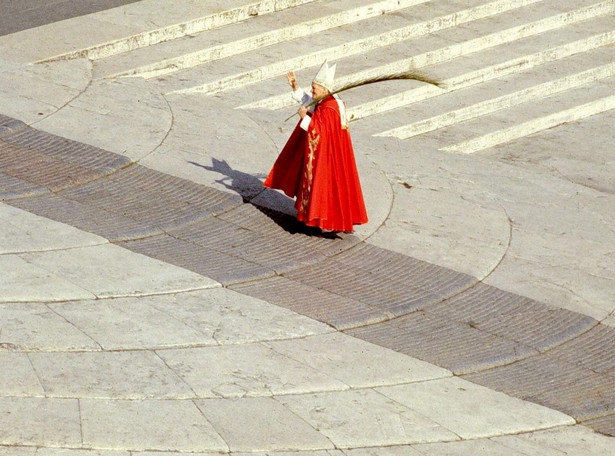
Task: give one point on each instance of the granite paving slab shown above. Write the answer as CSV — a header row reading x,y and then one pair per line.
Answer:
x,y
220,266
39,421
22,281
22,231
473,411
245,371
240,422
131,275
113,375
568,439
337,310
530,377
357,363
113,227
364,418
148,425
28,326
20,379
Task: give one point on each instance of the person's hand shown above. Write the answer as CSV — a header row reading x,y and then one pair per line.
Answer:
x,y
302,111
292,80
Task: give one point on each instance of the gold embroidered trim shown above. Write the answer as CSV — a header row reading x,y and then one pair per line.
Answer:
x,y
308,174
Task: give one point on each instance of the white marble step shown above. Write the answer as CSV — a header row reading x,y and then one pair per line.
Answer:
x,y
436,52
271,93
524,119
485,66
180,18
221,76
534,126
245,36
520,88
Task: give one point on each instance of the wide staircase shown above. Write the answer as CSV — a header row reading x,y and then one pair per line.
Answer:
x,y
507,69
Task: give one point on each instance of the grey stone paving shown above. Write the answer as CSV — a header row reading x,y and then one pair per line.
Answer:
x,y
17,15
491,337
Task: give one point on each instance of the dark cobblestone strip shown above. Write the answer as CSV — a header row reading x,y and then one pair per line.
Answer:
x,y
513,317
507,342
447,343
13,187
219,266
66,150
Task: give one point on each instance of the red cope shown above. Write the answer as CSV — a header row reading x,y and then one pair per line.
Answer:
x,y
318,167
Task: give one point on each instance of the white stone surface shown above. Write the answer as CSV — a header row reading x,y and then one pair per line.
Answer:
x,y
563,287
79,452
131,323
609,321
25,109
294,453
232,318
114,375
23,281
266,30
470,448
17,377
31,93
17,451
199,143
111,271
361,418
39,422
403,450
445,228
127,117
58,38
472,411
244,371
147,425
21,231
35,327
355,362
261,424
564,440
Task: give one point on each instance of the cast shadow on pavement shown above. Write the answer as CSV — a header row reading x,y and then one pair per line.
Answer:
x,y
275,205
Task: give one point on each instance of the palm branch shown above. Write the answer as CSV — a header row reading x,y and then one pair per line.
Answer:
x,y
390,77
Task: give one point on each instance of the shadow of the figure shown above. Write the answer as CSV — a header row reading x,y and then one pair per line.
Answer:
x,y
245,185
275,205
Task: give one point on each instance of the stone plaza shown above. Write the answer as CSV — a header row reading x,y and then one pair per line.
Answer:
x,y
156,299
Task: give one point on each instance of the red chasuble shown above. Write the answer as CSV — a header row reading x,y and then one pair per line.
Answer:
x,y
318,167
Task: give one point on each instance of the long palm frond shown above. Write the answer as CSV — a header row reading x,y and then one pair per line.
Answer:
x,y
389,77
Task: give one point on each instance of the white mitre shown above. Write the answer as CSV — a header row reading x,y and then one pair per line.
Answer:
x,y
325,76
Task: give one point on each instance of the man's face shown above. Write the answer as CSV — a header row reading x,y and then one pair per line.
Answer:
x,y
318,91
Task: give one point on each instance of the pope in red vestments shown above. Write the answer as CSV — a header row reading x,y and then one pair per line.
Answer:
x,y
317,164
